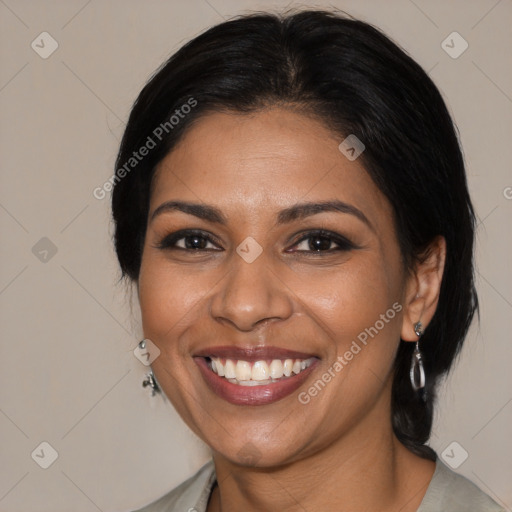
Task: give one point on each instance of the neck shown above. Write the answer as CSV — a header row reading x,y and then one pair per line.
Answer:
x,y
367,469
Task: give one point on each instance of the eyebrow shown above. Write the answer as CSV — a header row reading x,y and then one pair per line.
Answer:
x,y
296,212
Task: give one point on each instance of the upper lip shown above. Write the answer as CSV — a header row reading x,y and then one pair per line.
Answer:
x,y
252,354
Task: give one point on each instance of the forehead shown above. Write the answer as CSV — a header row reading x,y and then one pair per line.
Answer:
x,y
263,162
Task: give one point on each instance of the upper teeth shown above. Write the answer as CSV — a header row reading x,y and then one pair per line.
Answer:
x,y
258,371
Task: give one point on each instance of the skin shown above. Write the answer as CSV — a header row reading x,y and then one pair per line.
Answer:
x,y
338,448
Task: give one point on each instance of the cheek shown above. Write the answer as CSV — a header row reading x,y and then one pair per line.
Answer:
x,y
168,298
352,297
369,321
358,308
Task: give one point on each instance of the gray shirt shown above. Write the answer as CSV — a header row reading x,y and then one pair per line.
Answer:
x,y
447,492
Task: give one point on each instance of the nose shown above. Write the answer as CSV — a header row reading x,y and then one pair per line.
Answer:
x,y
251,294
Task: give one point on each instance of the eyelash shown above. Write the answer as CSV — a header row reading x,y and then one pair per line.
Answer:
x,y
169,241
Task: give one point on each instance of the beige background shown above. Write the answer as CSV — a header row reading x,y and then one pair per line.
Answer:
x,y
68,373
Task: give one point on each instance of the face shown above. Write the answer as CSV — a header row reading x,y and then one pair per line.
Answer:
x,y
272,283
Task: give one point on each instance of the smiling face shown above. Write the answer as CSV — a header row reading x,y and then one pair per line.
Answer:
x,y
326,275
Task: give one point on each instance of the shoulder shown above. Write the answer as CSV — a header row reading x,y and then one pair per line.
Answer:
x,y
451,492
193,494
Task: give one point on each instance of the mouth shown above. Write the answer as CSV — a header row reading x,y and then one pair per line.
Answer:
x,y
255,376
258,373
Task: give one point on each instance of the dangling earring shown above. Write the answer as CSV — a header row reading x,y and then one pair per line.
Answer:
x,y
150,379
151,382
417,372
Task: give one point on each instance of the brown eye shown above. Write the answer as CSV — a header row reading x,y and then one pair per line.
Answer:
x,y
188,240
193,242
323,241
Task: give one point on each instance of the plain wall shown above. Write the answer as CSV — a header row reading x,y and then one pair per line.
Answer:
x,y
68,373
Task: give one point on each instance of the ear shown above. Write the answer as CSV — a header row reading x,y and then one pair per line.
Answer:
x,y
423,286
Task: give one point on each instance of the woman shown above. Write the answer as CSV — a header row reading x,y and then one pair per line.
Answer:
x,y
291,202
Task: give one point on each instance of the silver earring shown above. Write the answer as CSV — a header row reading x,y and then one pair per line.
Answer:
x,y
150,379
417,372
151,382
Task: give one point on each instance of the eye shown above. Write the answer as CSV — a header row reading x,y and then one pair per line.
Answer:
x,y
317,241
188,240
323,241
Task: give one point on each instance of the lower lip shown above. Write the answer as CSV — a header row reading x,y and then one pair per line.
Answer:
x,y
252,395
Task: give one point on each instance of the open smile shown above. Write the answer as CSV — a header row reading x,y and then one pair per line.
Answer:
x,y
255,376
